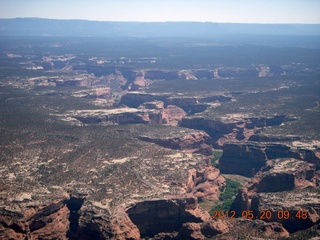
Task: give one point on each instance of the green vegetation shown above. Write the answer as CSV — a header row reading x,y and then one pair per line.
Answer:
x,y
215,159
227,195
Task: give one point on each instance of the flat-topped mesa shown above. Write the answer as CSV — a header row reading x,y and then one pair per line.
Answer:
x,y
119,116
248,158
147,113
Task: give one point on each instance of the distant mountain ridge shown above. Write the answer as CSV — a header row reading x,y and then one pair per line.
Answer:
x,y
85,28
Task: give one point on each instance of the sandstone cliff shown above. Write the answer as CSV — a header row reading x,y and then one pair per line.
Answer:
x,y
283,185
232,127
248,158
199,142
157,216
205,184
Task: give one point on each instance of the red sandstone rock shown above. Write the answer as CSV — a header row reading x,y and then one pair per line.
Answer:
x,y
202,230
271,230
205,184
197,142
111,229
173,114
46,222
153,217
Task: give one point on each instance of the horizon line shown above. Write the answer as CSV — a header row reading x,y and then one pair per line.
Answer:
x,y
178,21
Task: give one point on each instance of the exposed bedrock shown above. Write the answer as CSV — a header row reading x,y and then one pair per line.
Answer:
x,y
232,128
153,217
243,159
216,129
197,142
284,184
147,113
64,219
189,104
205,184
101,227
43,222
172,115
301,206
232,229
202,230
248,158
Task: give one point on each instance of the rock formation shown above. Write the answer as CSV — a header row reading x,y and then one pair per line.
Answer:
x,y
232,127
203,230
199,142
248,158
295,210
205,184
283,185
153,217
190,104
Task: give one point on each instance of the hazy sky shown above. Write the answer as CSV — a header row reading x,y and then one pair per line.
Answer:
x,y
244,11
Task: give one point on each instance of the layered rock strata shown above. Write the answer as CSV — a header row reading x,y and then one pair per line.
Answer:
x,y
232,127
189,104
153,217
197,142
287,190
248,158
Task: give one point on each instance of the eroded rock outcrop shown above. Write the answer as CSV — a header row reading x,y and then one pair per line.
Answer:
x,y
171,114
232,127
300,206
283,185
279,175
197,142
248,158
202,230
43,222
205,184
190,104
65,219
229,229
242,159
153,217
100,227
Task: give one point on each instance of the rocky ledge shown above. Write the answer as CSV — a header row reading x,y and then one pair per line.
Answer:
x,y
153,217
248,158
190,104
283,186
234,127
193,142
147,113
